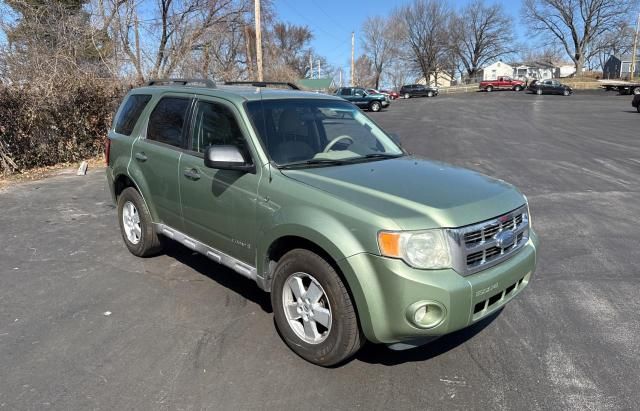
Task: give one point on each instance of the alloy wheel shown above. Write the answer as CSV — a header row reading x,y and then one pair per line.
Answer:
x,y
131,222
306,308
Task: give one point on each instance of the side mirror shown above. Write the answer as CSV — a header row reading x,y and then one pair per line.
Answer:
x,y
227,158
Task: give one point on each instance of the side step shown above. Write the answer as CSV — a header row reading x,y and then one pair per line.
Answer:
x,y
216,255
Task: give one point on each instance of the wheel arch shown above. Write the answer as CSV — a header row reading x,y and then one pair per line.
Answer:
x,y
285,243
123,181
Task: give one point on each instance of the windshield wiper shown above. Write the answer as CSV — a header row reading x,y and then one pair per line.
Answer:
x,y
312,162
373,156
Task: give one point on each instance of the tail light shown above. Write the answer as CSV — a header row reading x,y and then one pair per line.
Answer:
x,y
107,150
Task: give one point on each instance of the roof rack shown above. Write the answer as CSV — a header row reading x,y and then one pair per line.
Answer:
x,y
181,81
262,84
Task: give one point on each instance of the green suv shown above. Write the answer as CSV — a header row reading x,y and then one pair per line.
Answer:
x,y
354,238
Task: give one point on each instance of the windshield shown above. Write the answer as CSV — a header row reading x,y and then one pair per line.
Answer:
x,y
310,131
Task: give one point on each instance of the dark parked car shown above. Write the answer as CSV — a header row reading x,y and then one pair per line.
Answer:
x,y
636,102
418,90
549,87
363,99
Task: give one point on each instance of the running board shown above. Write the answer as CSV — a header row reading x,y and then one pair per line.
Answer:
x,y
216,255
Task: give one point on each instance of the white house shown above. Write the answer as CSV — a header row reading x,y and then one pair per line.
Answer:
x,y
566,69
495,70
534,70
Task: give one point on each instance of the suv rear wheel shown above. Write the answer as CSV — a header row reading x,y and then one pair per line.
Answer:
x,y
136,225
489,89
407,95
375,106
313,310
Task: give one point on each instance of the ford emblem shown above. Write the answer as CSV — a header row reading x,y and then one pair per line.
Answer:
x,y
505,239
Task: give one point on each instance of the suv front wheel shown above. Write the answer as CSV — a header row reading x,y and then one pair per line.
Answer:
x,y
136,224
375,106
313,310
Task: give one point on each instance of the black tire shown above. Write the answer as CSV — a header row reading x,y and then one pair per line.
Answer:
x,y
149,242
344,337
489,89
517,88
635,91
430,94
539,91
407,95
375,106
638,108
566,93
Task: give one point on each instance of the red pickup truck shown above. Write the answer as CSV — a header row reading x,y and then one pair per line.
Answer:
x,y
502,83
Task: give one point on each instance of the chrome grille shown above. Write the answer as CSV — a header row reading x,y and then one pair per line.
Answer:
x,y
478,246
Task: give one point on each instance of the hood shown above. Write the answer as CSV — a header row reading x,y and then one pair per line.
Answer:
x,y
415,193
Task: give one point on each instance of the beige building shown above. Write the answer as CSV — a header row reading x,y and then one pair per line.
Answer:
x,y
439,79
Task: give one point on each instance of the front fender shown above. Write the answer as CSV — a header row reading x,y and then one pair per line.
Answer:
x,y
314,225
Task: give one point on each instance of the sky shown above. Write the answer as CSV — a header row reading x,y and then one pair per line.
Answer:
x,y
332,22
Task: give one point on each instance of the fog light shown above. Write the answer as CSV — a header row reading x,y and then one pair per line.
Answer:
x,y
426,314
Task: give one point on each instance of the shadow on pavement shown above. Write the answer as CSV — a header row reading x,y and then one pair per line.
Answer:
x,y
381,354
220,274
370,353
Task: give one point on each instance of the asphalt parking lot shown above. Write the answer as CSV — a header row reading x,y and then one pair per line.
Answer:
x,y
85,325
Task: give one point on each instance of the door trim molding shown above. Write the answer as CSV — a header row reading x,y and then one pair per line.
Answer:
x,y
214,254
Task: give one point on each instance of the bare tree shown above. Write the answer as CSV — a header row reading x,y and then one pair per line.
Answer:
x,y
425,33
481,34
576,24
378,42
398,73
290,47
365,71
617,42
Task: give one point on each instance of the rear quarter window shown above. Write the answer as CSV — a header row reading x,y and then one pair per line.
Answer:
x,y
130,113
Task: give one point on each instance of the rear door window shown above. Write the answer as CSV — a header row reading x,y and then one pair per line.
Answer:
x,y
130,113
166,122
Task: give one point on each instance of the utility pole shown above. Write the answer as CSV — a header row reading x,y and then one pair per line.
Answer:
x,y
319,75
258,40
340,82
635,48
353,52
310,65
138,63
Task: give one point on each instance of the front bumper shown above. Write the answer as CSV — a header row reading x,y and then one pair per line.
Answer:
x,y
388,291
385,103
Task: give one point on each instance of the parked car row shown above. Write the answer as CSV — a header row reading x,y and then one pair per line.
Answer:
x,y
375,100
547,86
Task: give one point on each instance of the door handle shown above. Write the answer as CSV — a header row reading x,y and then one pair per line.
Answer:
x,y
141,156
192,174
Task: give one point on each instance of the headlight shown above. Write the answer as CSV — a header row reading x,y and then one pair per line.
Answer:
x,y
426,249
526,200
